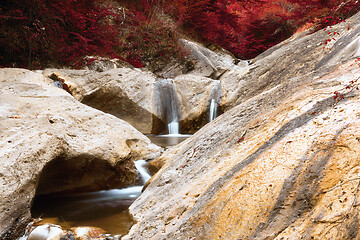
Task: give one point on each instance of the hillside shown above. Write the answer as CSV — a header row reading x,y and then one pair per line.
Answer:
x,y
41,33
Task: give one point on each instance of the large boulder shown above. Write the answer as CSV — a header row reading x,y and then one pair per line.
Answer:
x,y
52,143
133,96
124,92
102,64
195,94
207,61
281,163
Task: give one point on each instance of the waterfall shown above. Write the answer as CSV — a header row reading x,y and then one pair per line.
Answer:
x,y
213,110
173,128
168,105
140,166
215,97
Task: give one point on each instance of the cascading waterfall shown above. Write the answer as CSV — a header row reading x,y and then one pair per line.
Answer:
x,y
215,97
168,105
213,110
140,166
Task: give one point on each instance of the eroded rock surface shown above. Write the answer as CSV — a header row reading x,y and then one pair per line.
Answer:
x,y
132,96
207,61
195,94
50,142
281,163
125,93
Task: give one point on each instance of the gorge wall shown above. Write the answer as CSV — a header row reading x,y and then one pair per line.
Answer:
x,y
281,163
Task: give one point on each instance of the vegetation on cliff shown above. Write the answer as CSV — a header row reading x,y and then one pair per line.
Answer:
x,y
39,33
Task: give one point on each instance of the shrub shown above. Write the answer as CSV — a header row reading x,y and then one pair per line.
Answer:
x,y
40,33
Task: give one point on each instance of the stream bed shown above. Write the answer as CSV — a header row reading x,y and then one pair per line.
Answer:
x,y
104,209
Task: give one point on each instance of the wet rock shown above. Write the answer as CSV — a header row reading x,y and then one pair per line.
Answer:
x,y
46,232
50,142
88,233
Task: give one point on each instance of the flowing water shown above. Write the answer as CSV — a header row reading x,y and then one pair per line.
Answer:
x,y
213,110
167,104
109,209
105,209
215,98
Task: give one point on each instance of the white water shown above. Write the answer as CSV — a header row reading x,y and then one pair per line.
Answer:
x,y
215,99
140,166
168,105
173,128
213,110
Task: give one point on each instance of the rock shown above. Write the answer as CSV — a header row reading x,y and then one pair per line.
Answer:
x,y
131,95
46,232
211,61
101,64
125,93
208,63
50,142
87,233
292,58
281,163
195,94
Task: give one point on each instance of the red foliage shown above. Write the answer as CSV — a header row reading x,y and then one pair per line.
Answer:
x,y
247,28
38,33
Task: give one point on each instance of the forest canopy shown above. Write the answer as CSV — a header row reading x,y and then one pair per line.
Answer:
x,y
41,33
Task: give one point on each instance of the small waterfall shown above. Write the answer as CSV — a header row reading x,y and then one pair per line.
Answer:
x,y
140,166
213,110
173,128
215,97
168,105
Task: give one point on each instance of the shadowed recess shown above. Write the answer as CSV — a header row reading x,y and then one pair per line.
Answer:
x,y
82,173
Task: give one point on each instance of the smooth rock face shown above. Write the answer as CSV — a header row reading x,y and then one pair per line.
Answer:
x,y
130,95
195,93
50,142
281,163
125,93
46,232
208,63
